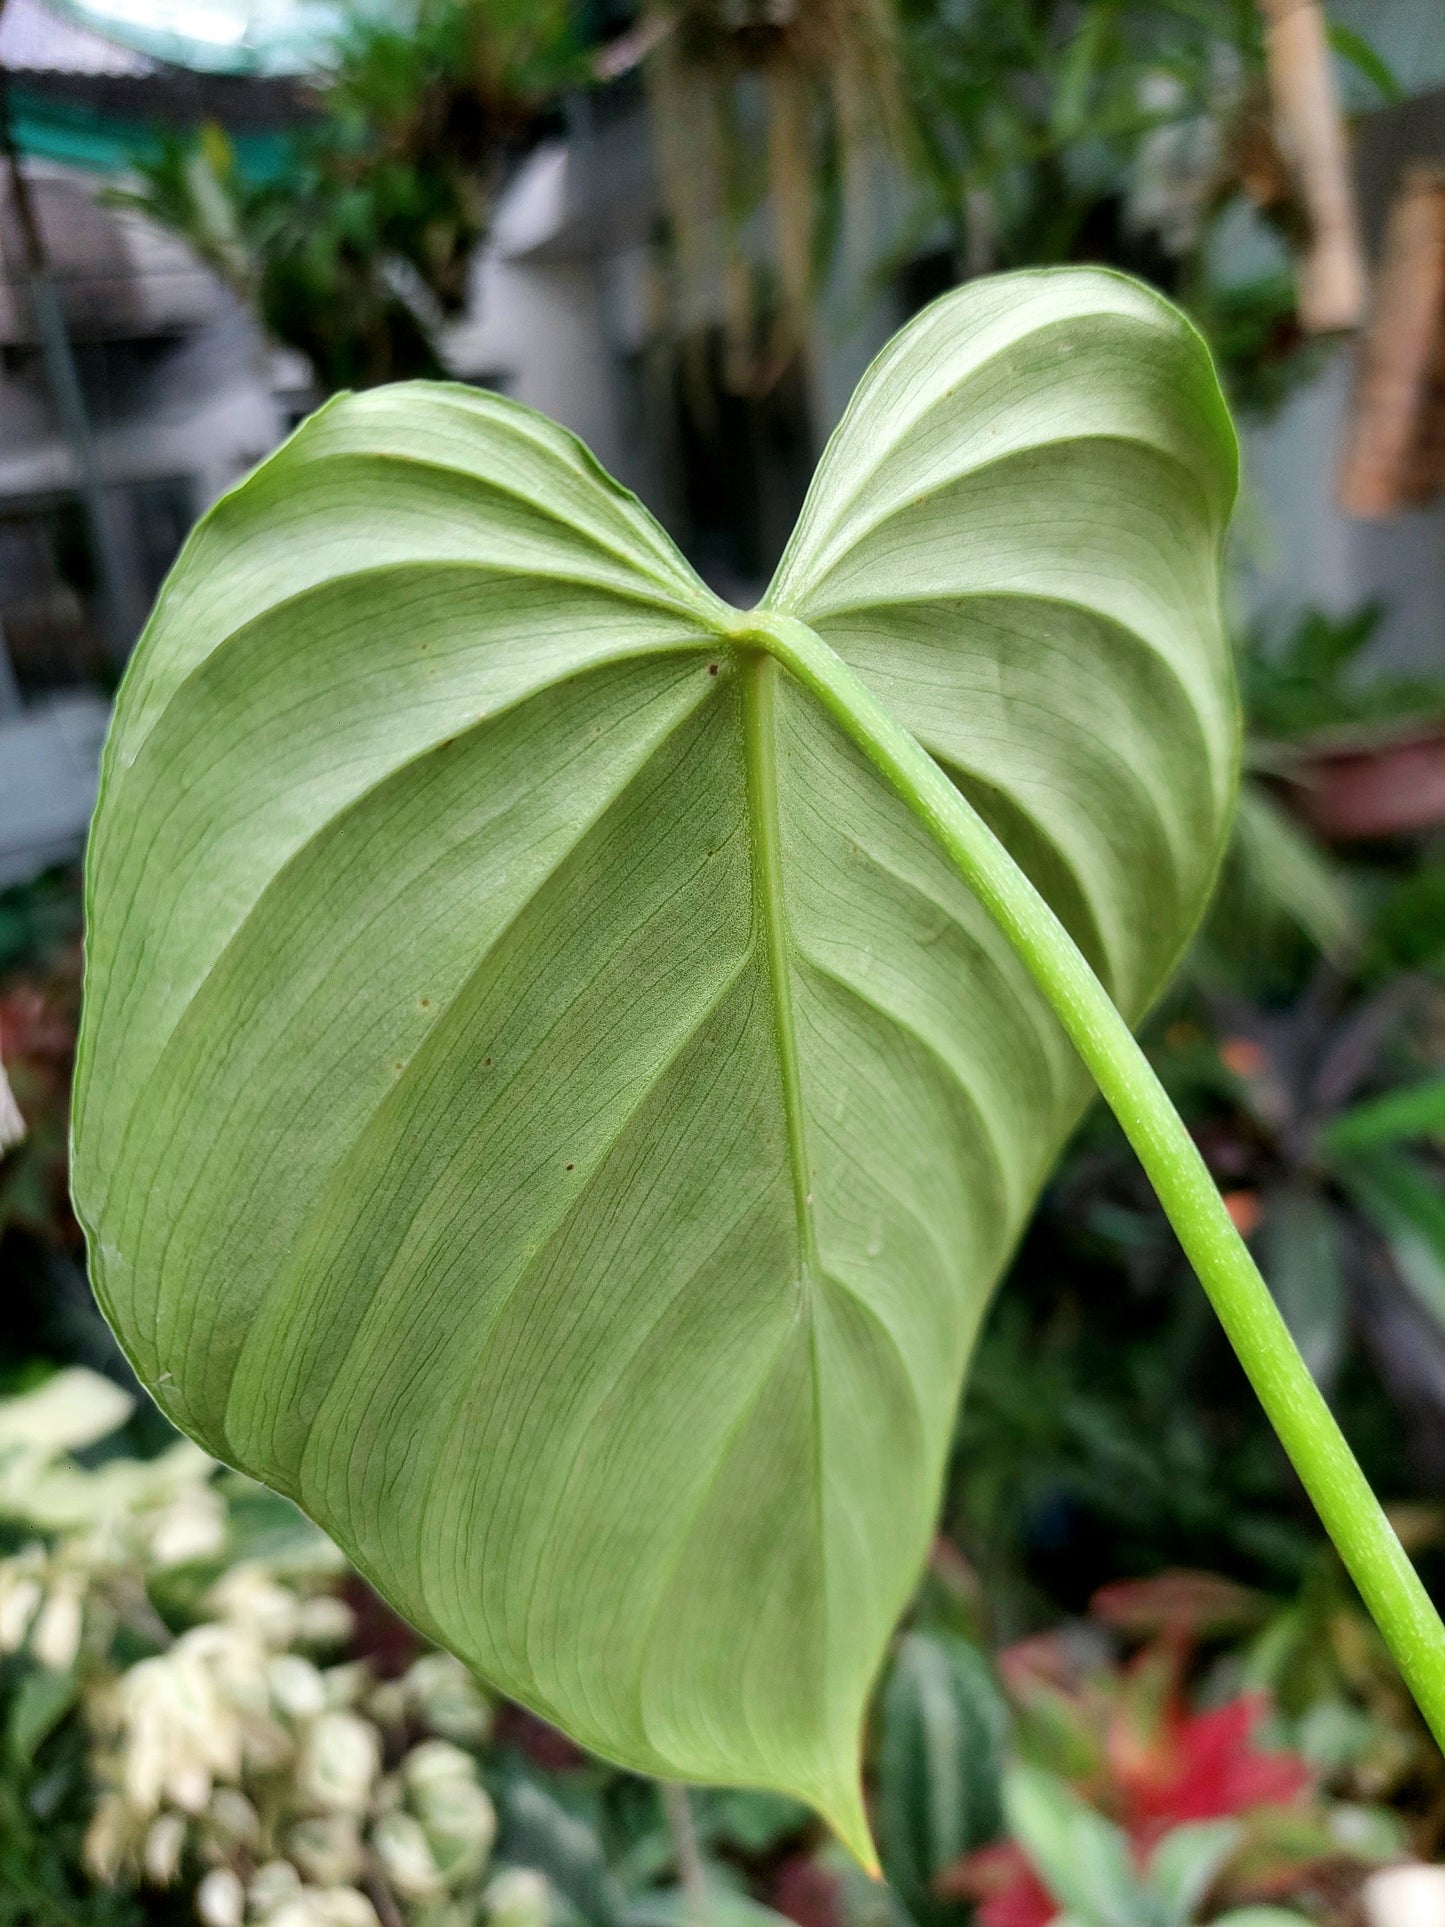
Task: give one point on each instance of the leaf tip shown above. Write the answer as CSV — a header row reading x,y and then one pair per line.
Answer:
x,y
847,1815
870,1863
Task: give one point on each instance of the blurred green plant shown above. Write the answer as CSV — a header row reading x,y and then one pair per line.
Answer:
x,y
1336,1040
1122,132
1343,1137
1050,130
1314,679
764,117
1077,1864
49,1312
39,1010
1131,1769
357,251
942,1732
1112,131
1281,901
1337,1700
39,920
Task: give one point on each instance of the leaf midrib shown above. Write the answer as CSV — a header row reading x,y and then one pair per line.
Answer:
x,y
759,673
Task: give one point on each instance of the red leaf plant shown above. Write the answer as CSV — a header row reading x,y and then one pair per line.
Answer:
x,y
1131,1746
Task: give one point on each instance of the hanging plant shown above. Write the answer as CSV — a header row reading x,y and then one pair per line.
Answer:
x,y
759,103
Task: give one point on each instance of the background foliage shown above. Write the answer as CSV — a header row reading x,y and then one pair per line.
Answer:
x,y
357,250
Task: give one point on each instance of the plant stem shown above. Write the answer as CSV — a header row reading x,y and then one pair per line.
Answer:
x,y
690,1871
1327,1468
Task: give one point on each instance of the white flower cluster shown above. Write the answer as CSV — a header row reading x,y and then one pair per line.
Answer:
x,y
287,1792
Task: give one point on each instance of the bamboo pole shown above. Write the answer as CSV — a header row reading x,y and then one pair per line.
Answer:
x,y
1395,449
1311,135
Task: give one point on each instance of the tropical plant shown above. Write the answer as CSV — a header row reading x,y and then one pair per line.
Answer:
x,y
1312,680
1123,132
601,1059
358,247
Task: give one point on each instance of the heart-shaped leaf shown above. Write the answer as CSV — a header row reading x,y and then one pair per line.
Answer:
x,y
544,1102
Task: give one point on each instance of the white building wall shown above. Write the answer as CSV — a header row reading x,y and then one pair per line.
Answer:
x,y
204,413
538,333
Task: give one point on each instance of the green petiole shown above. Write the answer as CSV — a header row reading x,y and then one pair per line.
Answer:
x,y
1328,1470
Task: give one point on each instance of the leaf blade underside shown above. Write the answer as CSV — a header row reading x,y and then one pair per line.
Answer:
x,y
543,1102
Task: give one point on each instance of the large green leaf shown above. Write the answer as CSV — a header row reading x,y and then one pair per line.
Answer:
x,y
543,1102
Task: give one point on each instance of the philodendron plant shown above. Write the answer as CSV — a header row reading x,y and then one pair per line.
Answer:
x,y
565,1060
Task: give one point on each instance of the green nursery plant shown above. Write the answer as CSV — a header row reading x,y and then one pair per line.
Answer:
x,y
565,1060
1085,1864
